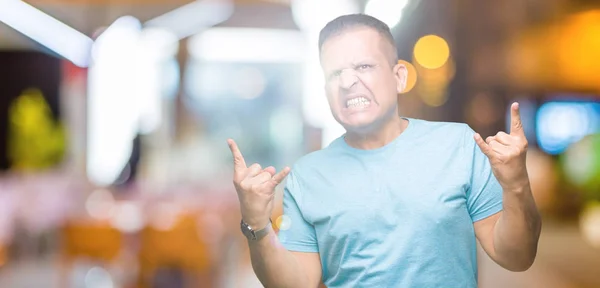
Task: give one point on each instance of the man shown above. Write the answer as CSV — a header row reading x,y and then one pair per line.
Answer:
x,y
394,202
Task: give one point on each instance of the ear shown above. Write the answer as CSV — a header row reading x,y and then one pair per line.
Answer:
x,y
401,74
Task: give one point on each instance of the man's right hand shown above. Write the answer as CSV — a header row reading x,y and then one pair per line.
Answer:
x,y
255,187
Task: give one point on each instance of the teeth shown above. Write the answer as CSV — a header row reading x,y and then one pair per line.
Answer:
x,y
357,102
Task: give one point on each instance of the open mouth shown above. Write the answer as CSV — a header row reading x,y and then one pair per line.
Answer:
x,y
358,102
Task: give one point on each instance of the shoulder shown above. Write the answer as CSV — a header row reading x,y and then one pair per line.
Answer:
x,y
316,159
442,131
433,126
314,163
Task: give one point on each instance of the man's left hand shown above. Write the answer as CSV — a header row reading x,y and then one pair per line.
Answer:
x,y
507,153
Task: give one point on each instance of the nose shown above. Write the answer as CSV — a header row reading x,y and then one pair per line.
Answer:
x,y
348,79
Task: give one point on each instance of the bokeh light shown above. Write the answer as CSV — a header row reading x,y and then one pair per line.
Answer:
x,y
128,217
390,12
561,123
590,224
100,204
283,222
285,128
432,86
432,51
561,55
581,164
312,15
434,96
576,48
164,216
98,277
250,84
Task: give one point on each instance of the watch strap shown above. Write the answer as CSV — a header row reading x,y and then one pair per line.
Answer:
x,y
256,235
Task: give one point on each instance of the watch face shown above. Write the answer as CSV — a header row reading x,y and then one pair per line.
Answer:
x,y
247,230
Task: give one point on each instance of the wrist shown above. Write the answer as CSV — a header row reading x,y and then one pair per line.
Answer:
x,y
517,192
517,187
257,232
257,224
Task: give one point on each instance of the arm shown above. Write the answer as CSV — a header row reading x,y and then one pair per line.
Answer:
x,y
510,237
277,267
273,264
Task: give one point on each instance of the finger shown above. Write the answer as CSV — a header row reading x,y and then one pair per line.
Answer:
x,y
499,147
503,138
253,170
489,139
278,178
516,126
485,148
261,178
238,159
270,170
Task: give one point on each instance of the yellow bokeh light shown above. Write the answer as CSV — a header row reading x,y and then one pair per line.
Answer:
x,y
283,222
433,96
560,55
576,44
589,224
443,74
411,77
431,51
433,83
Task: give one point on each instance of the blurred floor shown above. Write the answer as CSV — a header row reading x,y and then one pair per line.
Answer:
x,y
564,261
39,273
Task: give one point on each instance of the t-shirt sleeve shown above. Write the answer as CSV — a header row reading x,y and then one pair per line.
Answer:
x,y
484,195
296,235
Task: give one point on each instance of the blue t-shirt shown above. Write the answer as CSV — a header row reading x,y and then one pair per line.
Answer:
x,y
397,216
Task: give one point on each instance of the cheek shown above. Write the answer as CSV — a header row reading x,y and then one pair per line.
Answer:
x,y
377,89
332,99
384,90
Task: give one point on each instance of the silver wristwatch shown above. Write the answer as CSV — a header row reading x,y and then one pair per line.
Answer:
x,y
255,235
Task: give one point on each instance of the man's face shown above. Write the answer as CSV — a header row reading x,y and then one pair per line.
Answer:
x,y
361,84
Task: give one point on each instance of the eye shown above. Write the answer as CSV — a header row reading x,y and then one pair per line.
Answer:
x,y
335,74
364,66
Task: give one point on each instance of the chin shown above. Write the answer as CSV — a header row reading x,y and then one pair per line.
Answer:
x,y
362,122
359,125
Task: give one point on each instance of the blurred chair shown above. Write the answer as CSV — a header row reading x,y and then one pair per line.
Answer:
x,y
99,241
89,240
176,253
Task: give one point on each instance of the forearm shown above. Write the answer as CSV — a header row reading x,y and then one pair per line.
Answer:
x,y
517,231
274,265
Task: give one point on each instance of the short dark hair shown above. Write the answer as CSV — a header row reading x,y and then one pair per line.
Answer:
x,y
343,23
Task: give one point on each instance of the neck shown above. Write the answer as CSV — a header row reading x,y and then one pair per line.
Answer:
x,y
379,137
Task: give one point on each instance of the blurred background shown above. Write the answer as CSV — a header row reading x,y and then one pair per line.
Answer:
x,y
114,115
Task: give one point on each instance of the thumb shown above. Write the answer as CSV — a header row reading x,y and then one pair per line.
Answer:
x,y
278,178
485,148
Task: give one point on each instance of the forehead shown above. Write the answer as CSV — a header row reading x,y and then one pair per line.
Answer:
x,y
354,45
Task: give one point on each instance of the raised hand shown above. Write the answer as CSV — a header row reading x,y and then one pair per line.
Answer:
x,y
507,153
255,187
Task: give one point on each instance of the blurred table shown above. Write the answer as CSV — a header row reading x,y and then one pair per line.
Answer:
x,y
564,260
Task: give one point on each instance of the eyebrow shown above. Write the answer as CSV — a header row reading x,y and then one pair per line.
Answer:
x,y
354,64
